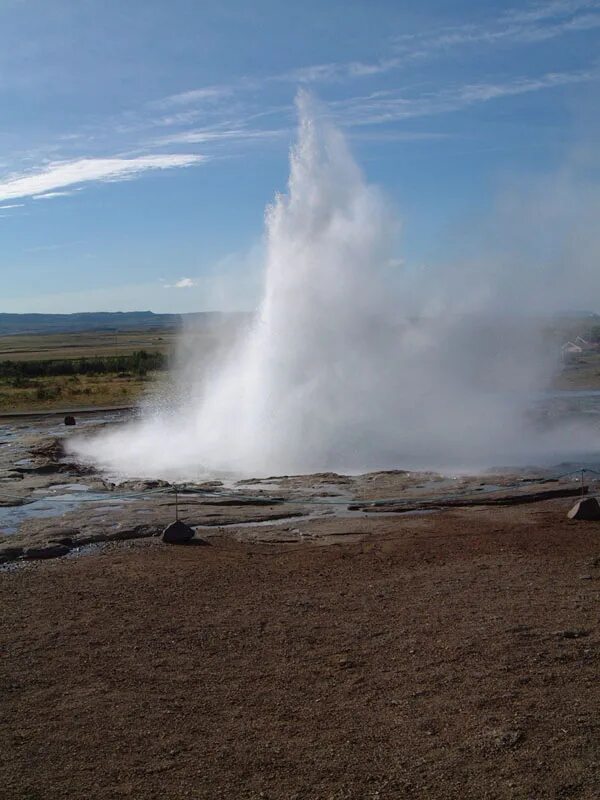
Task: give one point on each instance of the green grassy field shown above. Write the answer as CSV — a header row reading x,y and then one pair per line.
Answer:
x,y
107,389
77,345
31,390
72,392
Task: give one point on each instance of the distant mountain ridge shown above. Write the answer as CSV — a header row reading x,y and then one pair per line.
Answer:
x,y
12,324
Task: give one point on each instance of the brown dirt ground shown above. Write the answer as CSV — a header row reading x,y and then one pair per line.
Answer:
x,y
453,655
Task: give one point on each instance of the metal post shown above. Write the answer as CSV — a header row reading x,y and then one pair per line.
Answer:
x,y
582,486
176,505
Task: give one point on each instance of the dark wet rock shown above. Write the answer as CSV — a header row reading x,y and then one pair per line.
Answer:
x,y
50,449
10,475
46,551
515,499
70,420
244,501
143,486
74,468
46,468
53,467
9,502
135,532
177,533
66,540
218,520
586,509
370,476
10,553
92,538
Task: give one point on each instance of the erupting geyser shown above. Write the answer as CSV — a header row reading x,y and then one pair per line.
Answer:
x,y
333,375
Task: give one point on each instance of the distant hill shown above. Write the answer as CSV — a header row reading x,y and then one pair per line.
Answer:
x,y
11,324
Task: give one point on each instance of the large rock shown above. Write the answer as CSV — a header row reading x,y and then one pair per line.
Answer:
x,y
177,533
46,551
10,553
587,508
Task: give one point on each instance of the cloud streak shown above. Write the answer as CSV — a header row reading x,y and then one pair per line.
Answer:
x,y
232,114
384,107
517,26
534,23
212,135
49,181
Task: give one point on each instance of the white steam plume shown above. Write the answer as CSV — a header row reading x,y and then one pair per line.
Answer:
x,y
332,373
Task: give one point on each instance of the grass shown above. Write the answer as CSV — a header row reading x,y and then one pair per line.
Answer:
x,y
75,391
33,347
31,390
52,392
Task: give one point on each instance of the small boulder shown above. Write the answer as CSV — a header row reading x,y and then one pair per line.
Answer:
x,y
10,553
70,420
177,533
46,551
587,508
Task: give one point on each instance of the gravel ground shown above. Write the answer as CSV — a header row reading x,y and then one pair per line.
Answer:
x,y
452,655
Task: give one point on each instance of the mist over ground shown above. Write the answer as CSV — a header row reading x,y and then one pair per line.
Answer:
x,y
353,365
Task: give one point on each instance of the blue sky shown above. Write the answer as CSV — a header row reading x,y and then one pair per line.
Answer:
x,y
141,141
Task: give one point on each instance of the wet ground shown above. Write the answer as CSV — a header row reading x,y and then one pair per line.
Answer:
x,y
47,499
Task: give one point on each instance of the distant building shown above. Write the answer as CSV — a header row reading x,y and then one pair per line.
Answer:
x,y
570,351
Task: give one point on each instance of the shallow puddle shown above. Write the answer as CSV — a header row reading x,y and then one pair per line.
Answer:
x,y
56,505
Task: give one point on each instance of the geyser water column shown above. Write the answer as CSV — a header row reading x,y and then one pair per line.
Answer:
x,y
299,392
302,391
332,375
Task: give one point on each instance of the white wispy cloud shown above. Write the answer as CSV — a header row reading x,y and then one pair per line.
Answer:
x,y
52,195
232,113
206,94
533,23
208,135
521,25
383,107
548,10
525,25
61,174
182,283
12,205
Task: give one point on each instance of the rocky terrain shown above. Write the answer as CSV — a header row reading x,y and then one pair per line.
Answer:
x,y
51,505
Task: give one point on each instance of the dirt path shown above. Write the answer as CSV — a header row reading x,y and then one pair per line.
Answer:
x,y
450,656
